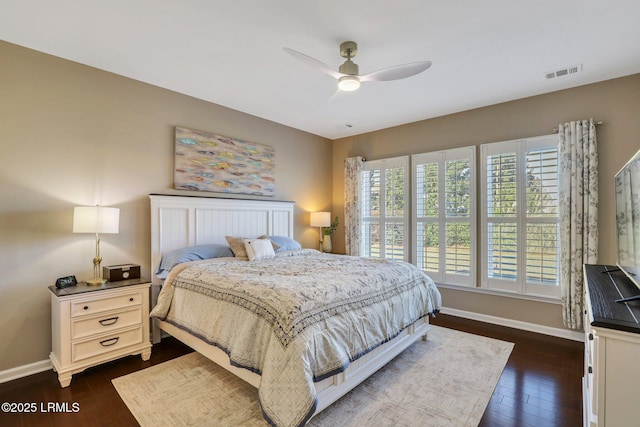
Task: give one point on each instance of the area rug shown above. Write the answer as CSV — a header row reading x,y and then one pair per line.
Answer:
x,y
444,381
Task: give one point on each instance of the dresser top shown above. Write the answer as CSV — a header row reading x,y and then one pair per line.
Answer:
x,y
605,284
83,287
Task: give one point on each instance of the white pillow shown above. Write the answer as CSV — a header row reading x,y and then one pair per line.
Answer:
x,y
258,249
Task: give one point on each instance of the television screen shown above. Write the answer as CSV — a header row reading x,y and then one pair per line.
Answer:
x,y
627,186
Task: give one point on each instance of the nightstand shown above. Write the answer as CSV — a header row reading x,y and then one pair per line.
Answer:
x,y
95,324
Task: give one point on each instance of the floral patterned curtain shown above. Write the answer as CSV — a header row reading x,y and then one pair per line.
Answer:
x,y
352,212
578,213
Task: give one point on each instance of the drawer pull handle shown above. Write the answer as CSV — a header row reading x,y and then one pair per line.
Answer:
x,y
109,342
590,370
590,337
86,307
108,322
131,299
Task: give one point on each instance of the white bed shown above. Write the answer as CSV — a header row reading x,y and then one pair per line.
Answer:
x,y
178,222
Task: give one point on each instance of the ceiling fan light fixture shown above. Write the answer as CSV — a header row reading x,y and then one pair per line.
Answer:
x,y
348,83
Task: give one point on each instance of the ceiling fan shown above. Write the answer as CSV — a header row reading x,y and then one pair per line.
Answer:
x,y
347,74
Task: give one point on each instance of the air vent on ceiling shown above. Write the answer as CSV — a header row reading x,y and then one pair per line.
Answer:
x,y
564,71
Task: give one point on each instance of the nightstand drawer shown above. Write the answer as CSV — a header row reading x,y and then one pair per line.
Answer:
x,y
105,344
100,324
91,306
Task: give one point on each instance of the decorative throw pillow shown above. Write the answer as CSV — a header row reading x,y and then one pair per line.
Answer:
x,y
237,245
258,249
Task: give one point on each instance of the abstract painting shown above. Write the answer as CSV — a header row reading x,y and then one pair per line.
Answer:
x,y
205,161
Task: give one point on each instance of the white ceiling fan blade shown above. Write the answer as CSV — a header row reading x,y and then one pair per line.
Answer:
x,y
336,96
396,73
313,62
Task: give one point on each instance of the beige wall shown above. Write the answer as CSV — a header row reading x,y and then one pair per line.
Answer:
x,y
73,135
615,102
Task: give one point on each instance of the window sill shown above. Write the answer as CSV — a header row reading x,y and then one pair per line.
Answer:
x,y
537,298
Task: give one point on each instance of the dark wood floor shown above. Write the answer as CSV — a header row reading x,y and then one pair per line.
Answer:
x,y
542,382
540,385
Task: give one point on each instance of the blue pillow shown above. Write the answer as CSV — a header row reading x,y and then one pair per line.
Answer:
x,y
285,243
191,253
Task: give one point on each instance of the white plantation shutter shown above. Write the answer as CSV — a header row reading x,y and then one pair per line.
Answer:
x,y
385,198
371,215
458,183
520,216
427,189
444,215
502,191
542,216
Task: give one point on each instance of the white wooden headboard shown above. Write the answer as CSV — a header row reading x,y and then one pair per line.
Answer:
x,y
180,221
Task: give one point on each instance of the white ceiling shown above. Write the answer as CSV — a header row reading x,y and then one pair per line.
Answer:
x,y
230,52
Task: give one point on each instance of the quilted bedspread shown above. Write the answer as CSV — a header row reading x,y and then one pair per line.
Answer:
x,y
295,319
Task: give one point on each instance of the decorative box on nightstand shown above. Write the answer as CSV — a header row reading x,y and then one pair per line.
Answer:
x,y
95,324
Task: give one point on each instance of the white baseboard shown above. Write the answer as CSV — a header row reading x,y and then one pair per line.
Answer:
x,y
517,324
25,370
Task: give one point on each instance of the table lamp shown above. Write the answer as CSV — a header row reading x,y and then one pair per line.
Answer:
x,y
96,219
320,219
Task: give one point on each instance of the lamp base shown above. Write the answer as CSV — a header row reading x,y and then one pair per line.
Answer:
x,y
96,282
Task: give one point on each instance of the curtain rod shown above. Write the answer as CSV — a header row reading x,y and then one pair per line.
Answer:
x,y
598,123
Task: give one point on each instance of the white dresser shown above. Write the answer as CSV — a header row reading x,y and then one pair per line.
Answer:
x,y
611,381
95,324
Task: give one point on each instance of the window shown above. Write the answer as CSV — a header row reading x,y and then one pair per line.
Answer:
x,y
385,196
444,215
520,218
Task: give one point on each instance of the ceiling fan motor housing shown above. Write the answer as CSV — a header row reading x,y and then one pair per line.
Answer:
x,y
349,67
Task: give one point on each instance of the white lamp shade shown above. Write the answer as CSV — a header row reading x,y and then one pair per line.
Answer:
x,y
320,219
95,219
